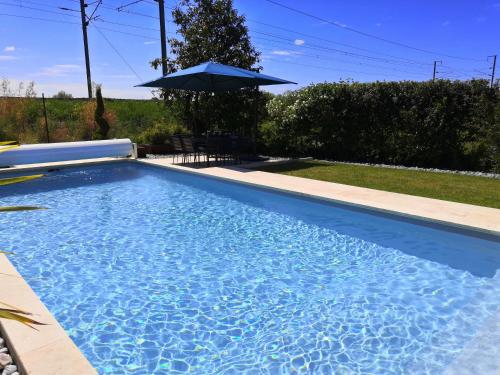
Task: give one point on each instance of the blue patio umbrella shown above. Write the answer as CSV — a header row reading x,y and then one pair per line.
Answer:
x,y
214,77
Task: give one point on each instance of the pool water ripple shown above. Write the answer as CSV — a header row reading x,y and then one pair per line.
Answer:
x,y
152,271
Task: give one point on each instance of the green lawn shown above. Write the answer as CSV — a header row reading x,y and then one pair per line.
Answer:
x,y
480,191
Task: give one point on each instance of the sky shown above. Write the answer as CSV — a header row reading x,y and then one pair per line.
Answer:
x,y
302,41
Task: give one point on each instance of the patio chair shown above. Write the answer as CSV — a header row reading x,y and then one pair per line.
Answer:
x,y
212,149
190,148
178,148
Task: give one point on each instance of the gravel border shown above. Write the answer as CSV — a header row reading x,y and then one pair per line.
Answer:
x,y
465,173
7,365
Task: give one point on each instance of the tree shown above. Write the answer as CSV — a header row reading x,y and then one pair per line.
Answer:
x,y
211,30
63,95
99,114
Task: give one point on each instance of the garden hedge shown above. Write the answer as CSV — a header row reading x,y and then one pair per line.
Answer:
x,y
442,124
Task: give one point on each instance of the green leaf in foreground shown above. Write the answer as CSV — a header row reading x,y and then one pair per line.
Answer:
x,y
20,208
17,180
8,143
19,316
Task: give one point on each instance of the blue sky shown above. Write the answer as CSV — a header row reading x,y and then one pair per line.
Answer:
x,y
460,33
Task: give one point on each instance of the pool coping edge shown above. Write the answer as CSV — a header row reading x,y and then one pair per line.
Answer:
x,y
44,350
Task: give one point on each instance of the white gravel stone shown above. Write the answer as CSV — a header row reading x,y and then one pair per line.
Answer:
x,y
5,360
9,370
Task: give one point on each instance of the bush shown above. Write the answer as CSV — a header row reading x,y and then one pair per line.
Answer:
x,y
160,133
99,117
440,124
62,95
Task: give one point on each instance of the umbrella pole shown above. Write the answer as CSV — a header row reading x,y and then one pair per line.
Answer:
x,y
194,128
255,120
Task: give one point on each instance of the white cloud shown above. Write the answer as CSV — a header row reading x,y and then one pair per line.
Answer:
x,y
378,24
150,42
67,66
299,42
59,70
9,49
8,58
282,53
121,76
446,23
340,24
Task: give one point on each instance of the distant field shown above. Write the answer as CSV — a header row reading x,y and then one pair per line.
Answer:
x,y
480,191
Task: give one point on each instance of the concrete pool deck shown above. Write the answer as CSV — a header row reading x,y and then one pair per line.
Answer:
x,y
49,350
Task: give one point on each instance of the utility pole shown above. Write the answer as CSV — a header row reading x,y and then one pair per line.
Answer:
x,y
434,72
86,46
161,7
493,70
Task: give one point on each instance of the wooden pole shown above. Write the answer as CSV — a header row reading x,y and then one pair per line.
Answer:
x,y
163,36
86,46
493,70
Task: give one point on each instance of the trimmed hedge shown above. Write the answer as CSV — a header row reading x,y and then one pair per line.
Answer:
x,y
442,124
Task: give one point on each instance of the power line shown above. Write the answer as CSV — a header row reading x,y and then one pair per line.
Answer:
x,y
76,23
124,11
334,42
130,34
348,54
324,58
74,15
22,2
300,52
345,27
127,25
38,9
126,5
99,2
332,69
118,52
334,50
38,19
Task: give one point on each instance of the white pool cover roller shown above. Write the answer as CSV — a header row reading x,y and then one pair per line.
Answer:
x,y
53,152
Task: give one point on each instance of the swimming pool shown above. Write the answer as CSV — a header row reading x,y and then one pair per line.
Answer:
x,y
156,271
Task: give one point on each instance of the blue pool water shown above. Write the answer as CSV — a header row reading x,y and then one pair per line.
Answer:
x,y
155,271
